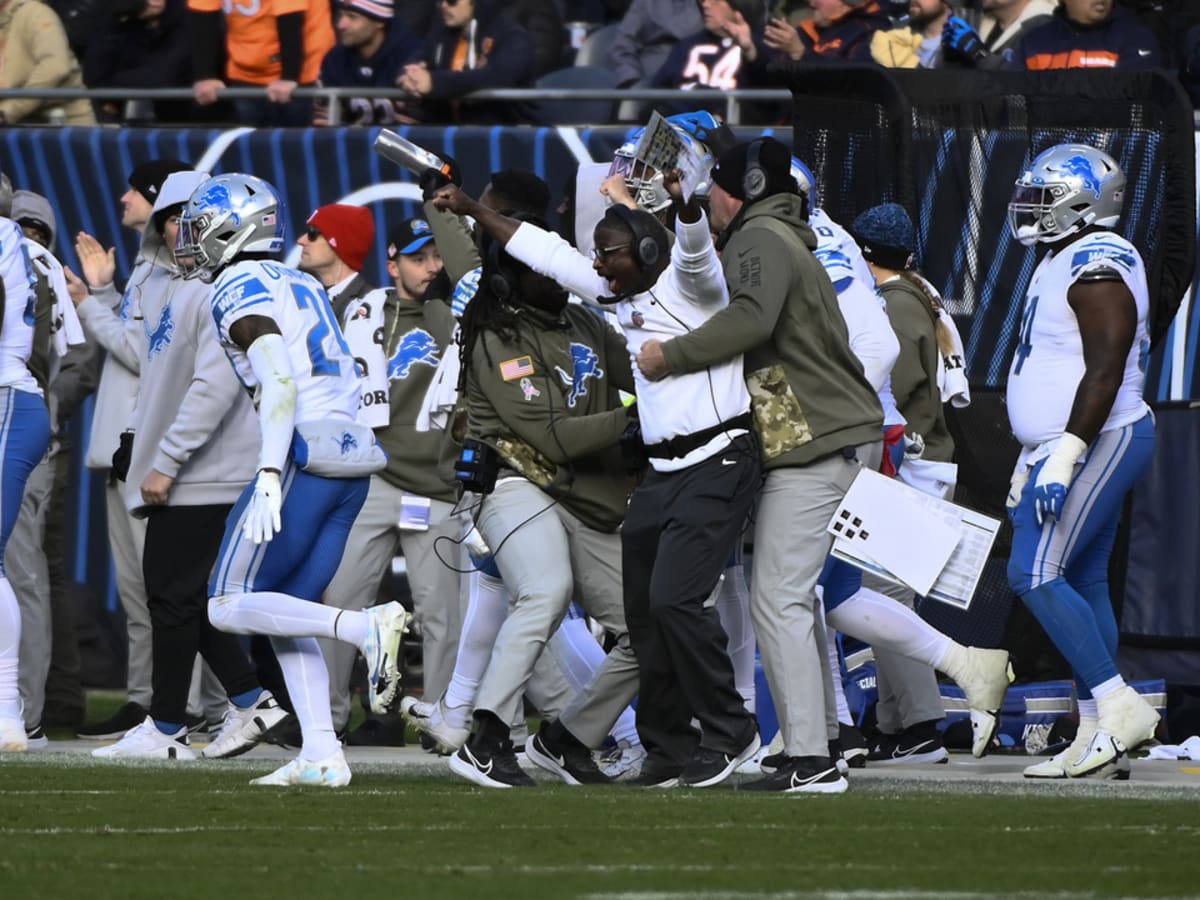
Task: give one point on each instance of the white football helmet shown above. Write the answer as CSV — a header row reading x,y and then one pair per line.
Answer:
x,y
1064,190
644,181
227,215
806,182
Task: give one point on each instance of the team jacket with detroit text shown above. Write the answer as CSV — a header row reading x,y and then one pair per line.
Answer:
x,y
548,403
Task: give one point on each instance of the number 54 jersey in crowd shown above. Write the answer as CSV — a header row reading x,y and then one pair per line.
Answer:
x,y
327,384
1048,362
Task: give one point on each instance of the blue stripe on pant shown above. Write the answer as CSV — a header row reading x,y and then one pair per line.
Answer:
x,y
302,558
1060,568
24,437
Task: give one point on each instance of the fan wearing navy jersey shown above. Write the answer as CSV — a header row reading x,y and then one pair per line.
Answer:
x,y
371,52
24,437
287,531
1075,404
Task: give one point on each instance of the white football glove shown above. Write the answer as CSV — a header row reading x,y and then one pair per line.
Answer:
x,y
1016,484
262,515
1056,475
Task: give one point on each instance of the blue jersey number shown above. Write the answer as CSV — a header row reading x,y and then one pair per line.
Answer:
x,y
1025,342
325,328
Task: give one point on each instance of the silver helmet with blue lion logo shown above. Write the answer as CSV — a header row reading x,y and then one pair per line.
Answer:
x,y
1066,189
702,137
228,215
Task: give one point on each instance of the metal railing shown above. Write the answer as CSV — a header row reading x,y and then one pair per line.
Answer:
x,y
732,100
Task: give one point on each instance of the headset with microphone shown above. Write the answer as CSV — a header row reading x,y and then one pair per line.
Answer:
x,y
650,246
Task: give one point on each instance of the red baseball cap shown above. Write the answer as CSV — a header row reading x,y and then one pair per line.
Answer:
x,y
349,230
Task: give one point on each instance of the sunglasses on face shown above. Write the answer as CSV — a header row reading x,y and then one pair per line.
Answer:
x,y
312,233
603,253
449,2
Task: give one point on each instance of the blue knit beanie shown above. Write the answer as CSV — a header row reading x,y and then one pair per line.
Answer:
x,y
886,235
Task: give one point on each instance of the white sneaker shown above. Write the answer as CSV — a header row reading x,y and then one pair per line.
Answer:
x,y
243,728
430,719
329,772
1055,766
1126,721
388,625
147,742
984,676
12,736
623,763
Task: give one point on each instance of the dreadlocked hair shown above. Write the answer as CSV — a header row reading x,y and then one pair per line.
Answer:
x,y
944,341
492,308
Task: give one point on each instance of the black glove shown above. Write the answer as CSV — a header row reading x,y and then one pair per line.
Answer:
x,y
121,457
432,179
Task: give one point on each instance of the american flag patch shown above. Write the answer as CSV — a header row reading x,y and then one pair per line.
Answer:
x,y
520,367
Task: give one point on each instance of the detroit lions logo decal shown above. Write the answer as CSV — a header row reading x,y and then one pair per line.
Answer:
x,y
416,348
585,365
160,338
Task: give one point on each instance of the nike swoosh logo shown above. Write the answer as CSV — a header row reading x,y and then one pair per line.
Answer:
x,y
800,782
728,462
743,253
1143,53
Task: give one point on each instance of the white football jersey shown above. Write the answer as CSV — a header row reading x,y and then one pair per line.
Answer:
x,y
327,382
871,336
1048,362
16,331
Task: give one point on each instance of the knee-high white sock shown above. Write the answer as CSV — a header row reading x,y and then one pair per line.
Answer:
x,y
576,651
835,667
282,615
883,622
10,642
307,681
733,606
486,612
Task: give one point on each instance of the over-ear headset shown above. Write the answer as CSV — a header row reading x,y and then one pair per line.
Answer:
x,y
501,279
650,243
754,178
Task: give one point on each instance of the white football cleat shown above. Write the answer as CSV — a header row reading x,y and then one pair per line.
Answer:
x,y
1056,765
331,772
386,628
12,736
430,719
984,676
1126,722
147,742
624,763
244,728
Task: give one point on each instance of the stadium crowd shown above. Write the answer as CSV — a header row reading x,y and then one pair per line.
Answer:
x,y
570,438
432,53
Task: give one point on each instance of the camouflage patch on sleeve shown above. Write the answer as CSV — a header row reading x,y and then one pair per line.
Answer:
x,y
778,416
527,461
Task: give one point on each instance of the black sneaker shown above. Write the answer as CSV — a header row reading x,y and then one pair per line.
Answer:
x,y
556,750
36,739
710,767
286,733
493,766
129,716
918,743
771,764
801,775
656,772
838,757
854,746
385,731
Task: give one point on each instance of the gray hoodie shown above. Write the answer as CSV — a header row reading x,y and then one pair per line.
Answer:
x,y
195,422
115,322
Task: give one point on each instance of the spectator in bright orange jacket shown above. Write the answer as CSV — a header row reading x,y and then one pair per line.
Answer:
x,y
274,44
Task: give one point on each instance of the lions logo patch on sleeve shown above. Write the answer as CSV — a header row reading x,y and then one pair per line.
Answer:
x,y
417,347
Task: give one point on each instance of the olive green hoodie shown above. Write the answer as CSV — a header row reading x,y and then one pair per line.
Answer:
x,y
548,403
808,392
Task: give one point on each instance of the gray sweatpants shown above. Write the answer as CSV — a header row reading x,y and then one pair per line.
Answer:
x,y
547,558
25,562
439,592
790,546
126,540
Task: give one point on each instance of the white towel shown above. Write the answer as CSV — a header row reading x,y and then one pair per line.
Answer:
x,y
442,394
65,330
952,368
364,319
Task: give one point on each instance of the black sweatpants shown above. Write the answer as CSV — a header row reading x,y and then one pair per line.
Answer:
x,y
182,543
679,532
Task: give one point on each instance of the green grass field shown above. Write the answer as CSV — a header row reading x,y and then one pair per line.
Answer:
x,y
72,829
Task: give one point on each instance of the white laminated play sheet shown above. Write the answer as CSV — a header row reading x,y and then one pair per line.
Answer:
x,y
899,533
